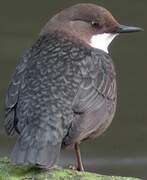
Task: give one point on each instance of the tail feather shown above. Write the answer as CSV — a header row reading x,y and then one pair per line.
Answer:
x,y
45,156
48,155
36,146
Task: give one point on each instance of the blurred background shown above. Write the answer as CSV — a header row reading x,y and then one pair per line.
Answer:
x,y
122,149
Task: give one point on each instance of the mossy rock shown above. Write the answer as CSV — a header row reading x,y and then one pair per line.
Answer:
x,y
11,172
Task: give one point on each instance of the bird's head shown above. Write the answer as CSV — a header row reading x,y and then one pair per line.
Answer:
x,y
88,22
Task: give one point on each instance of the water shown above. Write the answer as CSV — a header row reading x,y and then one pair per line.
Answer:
x,y
122,149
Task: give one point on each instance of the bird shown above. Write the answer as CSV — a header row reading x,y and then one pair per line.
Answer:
x,y
63,90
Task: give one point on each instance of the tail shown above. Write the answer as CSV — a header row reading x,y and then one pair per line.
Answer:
x,y
35,150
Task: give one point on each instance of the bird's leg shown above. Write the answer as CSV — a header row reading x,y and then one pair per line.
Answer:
x,y
78,156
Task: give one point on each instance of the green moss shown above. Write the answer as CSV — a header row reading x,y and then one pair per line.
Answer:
x,y
11,172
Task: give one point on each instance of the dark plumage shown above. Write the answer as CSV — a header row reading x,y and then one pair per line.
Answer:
x,y
62,91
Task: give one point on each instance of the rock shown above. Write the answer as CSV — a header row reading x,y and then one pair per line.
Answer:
x,y
12,172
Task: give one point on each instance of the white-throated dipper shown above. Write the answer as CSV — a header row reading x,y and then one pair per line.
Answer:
x,y
64,87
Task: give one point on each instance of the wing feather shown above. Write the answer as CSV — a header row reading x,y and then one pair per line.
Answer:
x,y
98,82
13,94
97,88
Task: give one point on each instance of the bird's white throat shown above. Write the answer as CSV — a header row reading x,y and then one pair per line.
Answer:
x,y
102,41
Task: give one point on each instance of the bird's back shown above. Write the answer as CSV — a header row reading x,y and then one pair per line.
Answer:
x,y
41,102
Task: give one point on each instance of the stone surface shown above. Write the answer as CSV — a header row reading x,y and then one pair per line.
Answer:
x,y
11,172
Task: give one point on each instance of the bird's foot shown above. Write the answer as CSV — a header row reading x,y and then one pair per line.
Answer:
x,y
80,168
72,167
75,168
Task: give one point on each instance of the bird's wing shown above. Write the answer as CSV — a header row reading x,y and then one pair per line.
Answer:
x,y
13,94
30,99
98,83
89,105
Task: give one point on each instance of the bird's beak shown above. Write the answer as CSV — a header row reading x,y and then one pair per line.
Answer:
x,y
128,29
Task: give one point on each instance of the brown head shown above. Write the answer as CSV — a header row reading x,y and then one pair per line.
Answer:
x,y
88,22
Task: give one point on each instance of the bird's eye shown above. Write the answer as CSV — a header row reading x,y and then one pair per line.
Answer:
x,y
94,23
